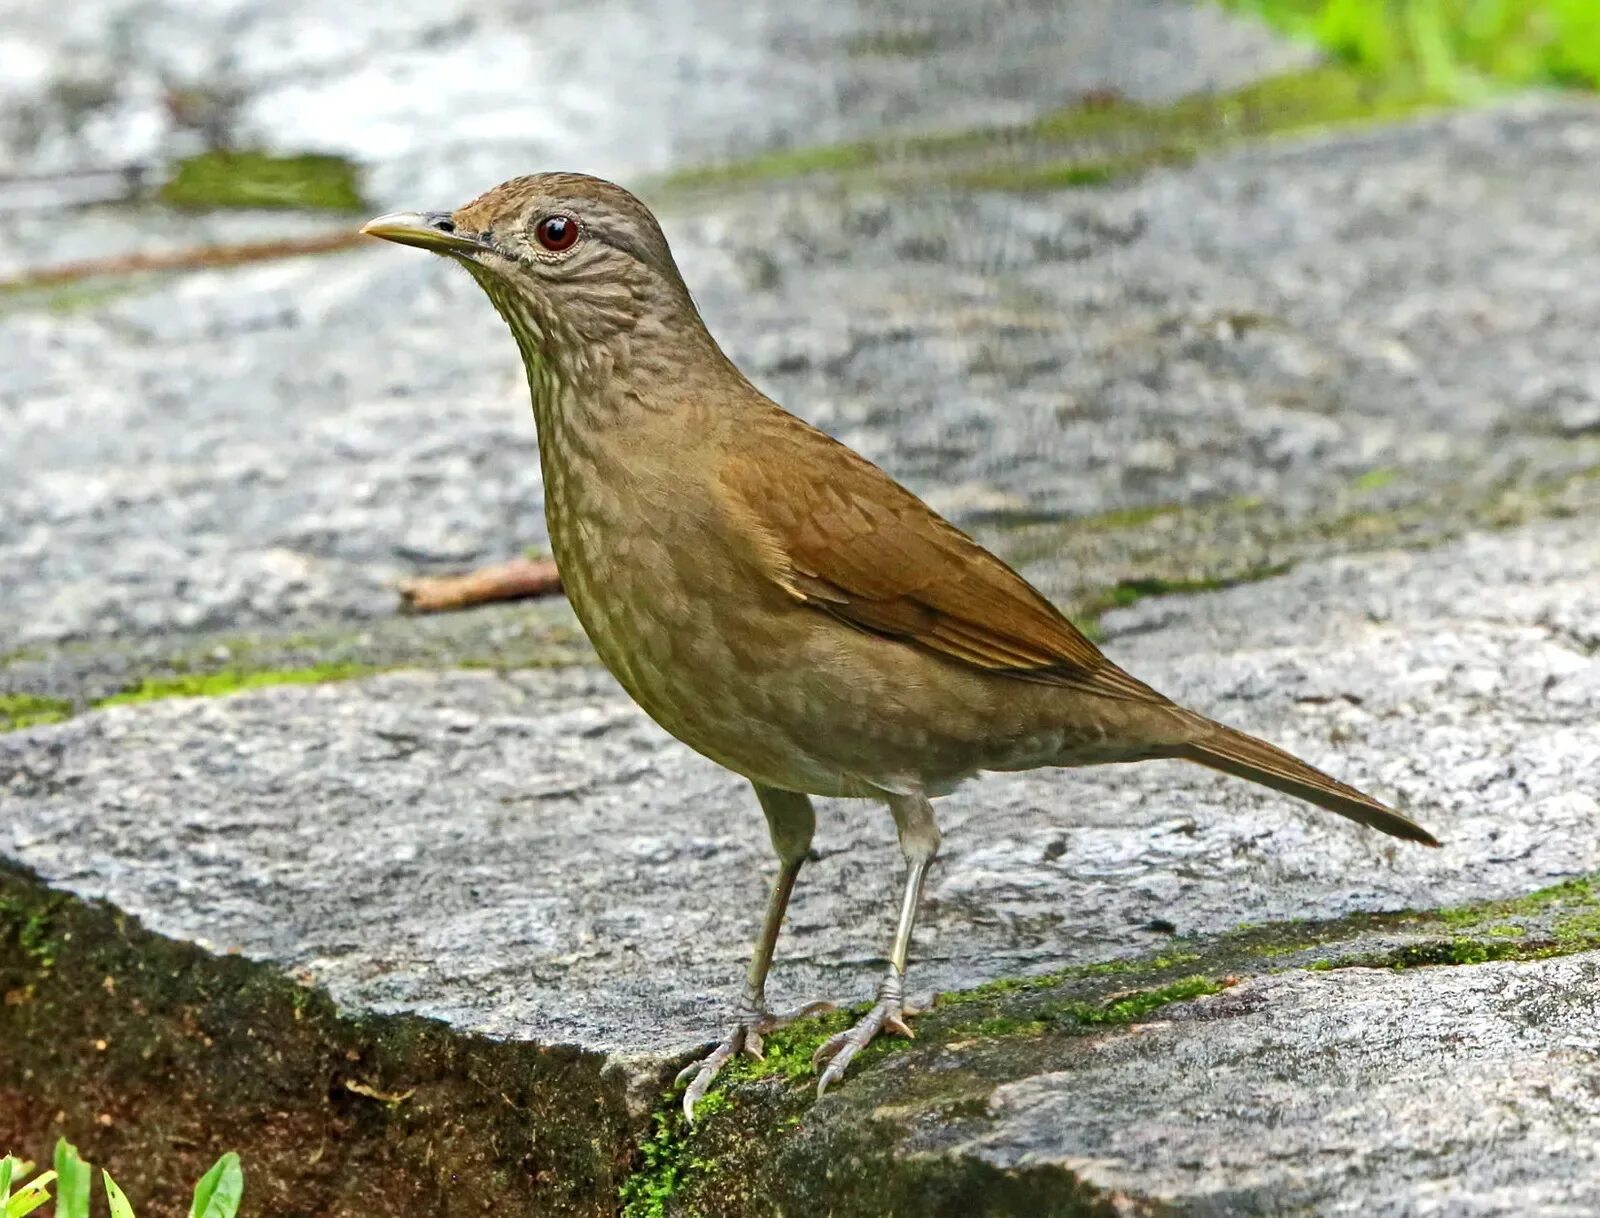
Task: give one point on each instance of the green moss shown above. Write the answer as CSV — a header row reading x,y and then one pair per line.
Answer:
x,y
195,1051
1570,898
786,1052
1130,591
1375,479
1092,605
778,165
1011,1025
65,299
1127,1008
1090,143
1119,1008
664,1160
1554,921
73,677
1004,987
228,681
1007,987
1114,520
1058,175
259,179
25,710
28,918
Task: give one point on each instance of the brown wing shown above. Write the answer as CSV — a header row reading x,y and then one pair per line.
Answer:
x,y
839,534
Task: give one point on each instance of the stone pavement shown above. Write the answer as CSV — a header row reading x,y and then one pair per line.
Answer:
x,y
1308,429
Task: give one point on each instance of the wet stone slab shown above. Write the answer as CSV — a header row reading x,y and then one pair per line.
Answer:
x,y
525,854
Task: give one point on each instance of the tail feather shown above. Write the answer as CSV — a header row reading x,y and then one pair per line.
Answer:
x,y
1233,752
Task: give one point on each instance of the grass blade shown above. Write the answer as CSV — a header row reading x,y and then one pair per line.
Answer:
x,y
30,1197
220,1189
72,1182
115,1197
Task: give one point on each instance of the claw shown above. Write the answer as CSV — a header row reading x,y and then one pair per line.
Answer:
x,y
705,1072
827,1049
839,1050
746,1038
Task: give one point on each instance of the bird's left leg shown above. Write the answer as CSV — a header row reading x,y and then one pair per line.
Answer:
x,y
791,822
919,843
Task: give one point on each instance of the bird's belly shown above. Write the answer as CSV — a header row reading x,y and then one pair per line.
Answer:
x,y
666,640
689,686
788,696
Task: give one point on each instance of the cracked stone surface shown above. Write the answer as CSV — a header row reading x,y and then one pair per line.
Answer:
x,y
526,854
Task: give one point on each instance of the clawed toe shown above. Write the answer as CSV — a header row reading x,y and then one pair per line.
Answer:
x,y
745,1038
832,1057
704,1072
839,1050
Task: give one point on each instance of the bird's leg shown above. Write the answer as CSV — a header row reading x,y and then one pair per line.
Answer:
x,y
791,821
919,842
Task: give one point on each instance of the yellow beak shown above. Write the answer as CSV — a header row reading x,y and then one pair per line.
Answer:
x,y
433,230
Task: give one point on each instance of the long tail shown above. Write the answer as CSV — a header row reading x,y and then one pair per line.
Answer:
x,y
1233,752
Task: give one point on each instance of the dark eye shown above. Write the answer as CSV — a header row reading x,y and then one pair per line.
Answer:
x,y
557,233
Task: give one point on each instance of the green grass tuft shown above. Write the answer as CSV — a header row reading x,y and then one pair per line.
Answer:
x,y
216,1196
1457,47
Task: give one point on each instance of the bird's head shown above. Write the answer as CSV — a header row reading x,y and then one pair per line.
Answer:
x,y
577,266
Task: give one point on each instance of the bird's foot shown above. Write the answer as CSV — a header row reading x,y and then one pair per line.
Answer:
x,y
888,1014
750,1025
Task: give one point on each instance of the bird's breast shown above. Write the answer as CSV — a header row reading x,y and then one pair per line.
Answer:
x,y
681,624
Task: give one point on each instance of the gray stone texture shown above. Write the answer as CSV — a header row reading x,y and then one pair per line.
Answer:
x,y
525,854
261,453
438,94
1460,1092
280,444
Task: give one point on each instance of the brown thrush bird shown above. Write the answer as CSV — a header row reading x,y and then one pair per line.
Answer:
x,y
774,600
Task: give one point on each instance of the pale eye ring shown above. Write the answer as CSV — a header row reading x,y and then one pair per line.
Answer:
x,y
556,233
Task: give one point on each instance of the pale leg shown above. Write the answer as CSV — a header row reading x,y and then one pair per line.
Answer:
x,y
791,822
919,843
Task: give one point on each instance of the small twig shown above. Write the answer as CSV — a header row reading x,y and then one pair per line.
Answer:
x,y
357,1087
507,581
192,258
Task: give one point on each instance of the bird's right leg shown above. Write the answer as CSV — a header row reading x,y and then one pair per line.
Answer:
x,y
791,822
919,843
